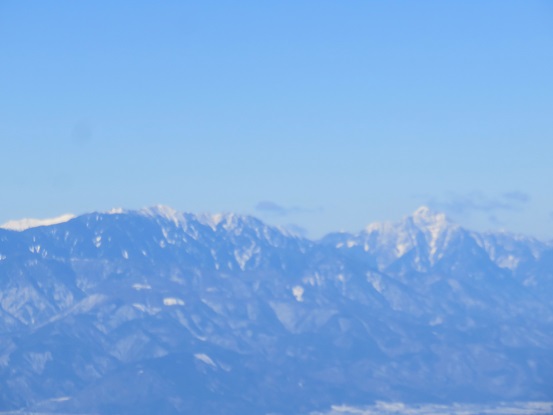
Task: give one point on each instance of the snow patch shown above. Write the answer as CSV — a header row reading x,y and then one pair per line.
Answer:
x,y
242,256
171,301
376,282
434,223
23,224
147,309
216,218
402,248
35,249
314,280
205,358
60,399
165,212
298,291
212,220
510,262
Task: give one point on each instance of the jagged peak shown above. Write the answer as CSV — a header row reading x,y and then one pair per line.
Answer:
x,y
164,211
403,235
214,219
227,220
425,216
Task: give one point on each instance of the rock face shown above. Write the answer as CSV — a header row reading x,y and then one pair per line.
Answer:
x,y
156,311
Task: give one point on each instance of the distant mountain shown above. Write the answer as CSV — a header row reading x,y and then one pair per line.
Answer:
x,y
158,311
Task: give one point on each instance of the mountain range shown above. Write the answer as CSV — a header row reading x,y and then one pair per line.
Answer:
x,y
159,311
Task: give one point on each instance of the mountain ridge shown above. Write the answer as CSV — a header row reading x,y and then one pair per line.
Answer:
x,y
226,314
421,215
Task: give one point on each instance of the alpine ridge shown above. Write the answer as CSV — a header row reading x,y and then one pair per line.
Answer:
x,y
160,311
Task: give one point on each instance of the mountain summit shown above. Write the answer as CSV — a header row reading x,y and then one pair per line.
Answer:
x,y
424,235
425,217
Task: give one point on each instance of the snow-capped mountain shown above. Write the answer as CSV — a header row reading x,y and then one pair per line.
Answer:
x,y
159,311
424,237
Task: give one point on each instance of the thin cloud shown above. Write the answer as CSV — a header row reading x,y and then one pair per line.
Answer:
x,y
517,196
268,207
477,202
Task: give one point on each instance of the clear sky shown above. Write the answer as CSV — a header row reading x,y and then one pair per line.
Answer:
x,y
323,114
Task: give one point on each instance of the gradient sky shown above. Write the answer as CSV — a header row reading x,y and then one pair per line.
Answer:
x,y
323,114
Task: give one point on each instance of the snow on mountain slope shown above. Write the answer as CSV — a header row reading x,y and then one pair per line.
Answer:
x,y
424,234
23,224
509,250
192,310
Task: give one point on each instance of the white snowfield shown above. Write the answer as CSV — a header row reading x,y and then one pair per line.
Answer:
x,y
23,224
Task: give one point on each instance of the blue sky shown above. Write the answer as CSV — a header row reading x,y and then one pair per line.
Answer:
x,y
323,114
